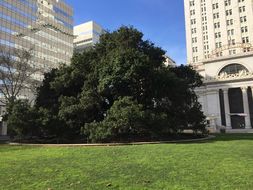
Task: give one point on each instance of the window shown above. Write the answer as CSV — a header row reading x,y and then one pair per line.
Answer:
x,y
229,12
193,21
233,69
194,30
195,49
217,25
194,40
192,3
218,44
231,52
243,19
230,22
192,12
231,42
244,29
227,2
215,6
242,9
231,32
217,35
216,15
245,40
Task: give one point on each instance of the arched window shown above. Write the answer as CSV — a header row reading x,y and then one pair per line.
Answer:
x,y
233,69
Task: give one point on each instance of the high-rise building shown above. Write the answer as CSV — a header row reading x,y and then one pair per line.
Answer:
x,y
169,62
45,26
86,35
219,37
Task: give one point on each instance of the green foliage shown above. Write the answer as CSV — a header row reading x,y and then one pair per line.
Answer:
x,y
189,75
47,97
22,119
51,125
125,118
128,65
119,88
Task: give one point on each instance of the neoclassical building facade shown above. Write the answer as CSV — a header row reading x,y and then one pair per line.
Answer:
x,y
226,95
219,36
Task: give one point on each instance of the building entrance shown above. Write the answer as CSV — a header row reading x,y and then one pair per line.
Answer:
x,y
236,108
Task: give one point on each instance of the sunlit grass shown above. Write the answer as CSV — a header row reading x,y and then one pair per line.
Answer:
x,y
224,163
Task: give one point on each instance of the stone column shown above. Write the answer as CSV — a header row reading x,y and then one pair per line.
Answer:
x,y
252,91
246,107
213,108
227,109
218,120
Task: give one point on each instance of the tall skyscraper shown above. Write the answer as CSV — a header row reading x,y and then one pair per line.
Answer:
x,y
219,37
86,35
45,26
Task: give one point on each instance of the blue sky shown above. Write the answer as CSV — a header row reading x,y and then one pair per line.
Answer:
x,y
161,21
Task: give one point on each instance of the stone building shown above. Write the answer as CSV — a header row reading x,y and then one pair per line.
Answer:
x,y
219,46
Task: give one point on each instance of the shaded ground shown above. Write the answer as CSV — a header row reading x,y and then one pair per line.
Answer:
x,y
223,163
122,139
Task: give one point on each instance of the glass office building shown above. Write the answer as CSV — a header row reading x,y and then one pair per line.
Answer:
x,y
46,26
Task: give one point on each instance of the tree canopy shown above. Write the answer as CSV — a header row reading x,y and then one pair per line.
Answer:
x,y
120,88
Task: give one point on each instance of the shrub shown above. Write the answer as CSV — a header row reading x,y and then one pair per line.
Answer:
x,y
125,118
22,119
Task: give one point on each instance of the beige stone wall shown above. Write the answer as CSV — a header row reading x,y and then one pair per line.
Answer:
x,y
86,35
212,23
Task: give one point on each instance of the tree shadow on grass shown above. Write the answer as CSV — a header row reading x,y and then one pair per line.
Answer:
x,y
225,137
233,137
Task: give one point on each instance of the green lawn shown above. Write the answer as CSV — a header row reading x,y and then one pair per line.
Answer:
x,y
224,163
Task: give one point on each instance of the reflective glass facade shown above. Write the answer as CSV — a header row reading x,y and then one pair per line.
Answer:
x,y
46,26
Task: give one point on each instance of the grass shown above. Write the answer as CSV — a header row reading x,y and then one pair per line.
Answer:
x,y
224,163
